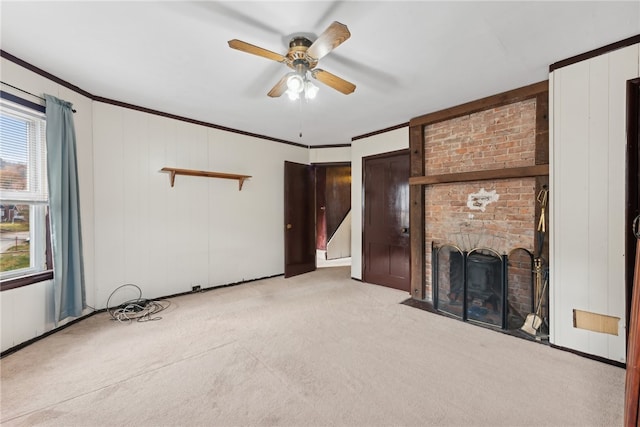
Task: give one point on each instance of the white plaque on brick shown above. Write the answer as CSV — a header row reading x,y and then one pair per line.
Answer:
x,y
479,201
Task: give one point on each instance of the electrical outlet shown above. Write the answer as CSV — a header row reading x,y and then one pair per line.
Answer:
x,y
195,288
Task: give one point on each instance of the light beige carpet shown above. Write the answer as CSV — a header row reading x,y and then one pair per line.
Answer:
x,y
318,349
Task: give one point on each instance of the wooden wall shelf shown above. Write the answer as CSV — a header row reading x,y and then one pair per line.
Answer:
x,y
190,172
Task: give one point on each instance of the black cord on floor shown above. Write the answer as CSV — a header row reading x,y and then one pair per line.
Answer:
x,y
139,309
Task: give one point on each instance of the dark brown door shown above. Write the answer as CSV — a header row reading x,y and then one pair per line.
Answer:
x,y
633,183
386,221
299,219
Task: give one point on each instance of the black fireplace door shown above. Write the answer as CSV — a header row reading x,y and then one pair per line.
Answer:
x,y
485,287
470,285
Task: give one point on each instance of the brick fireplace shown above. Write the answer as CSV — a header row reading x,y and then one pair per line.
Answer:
x,y
482,166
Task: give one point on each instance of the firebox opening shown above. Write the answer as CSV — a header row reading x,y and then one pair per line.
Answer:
x,y
475,285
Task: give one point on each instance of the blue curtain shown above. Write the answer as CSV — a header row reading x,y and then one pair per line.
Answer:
x,y
64,210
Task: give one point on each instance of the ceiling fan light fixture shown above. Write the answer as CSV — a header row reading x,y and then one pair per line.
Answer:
x,y
310,90
303,57
295,83
293,96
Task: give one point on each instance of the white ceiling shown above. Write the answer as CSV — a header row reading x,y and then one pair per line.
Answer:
x,y
406,58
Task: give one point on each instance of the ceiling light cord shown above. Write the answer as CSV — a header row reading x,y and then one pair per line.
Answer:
x,y
300,115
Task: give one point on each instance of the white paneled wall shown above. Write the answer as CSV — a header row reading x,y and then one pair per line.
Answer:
x,y
587,145
330,155
27,312
203,231
339,246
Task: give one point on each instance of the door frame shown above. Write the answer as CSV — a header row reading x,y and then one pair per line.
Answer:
x,y
364,207
632,187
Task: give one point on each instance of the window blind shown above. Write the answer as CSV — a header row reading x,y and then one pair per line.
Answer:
x,y
22,154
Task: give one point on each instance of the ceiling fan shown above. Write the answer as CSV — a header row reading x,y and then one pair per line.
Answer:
x,y
302,58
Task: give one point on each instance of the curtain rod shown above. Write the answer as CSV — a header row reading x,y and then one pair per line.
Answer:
x,y
24,91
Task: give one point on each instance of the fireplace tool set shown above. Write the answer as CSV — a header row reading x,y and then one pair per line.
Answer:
x,y
534,320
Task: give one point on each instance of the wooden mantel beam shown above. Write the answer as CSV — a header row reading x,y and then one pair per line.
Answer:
x,y
520,172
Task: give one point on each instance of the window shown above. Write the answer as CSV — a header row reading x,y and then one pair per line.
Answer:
x,y
23,192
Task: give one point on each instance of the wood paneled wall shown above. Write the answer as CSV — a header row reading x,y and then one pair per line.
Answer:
x,y
588,141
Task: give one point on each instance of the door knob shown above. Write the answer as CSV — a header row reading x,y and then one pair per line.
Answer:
x,y
405,230
289,226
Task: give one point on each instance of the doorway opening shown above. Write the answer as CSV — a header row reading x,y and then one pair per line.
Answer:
x,y
333,214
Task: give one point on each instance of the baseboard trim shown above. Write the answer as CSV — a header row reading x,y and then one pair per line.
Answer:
x,y
86,316
590,356
428,306
48,333
212,288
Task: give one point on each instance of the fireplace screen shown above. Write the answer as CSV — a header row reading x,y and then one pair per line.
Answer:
x,y
470,285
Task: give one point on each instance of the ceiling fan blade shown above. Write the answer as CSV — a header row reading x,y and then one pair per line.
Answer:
x,y
255,50
331,38
333,81
279,88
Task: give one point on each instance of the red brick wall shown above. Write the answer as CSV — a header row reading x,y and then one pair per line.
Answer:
x,y
498,138
502,137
